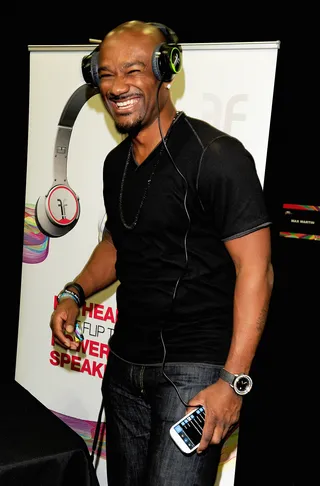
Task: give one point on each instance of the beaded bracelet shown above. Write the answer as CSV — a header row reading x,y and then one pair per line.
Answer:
x,y
67,294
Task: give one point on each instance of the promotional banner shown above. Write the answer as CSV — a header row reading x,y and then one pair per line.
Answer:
x,y
229,85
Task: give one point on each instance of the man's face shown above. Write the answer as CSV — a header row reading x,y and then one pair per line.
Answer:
x,y
127,84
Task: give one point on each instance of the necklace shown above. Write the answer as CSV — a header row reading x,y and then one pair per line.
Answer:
x,y
146,190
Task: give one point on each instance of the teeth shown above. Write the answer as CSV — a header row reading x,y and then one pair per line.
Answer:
x,y
123,104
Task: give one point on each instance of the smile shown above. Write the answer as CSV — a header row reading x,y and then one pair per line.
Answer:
x,y
126,103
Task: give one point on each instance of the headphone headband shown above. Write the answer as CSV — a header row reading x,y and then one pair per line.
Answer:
x,y
170,35
166,58
58,211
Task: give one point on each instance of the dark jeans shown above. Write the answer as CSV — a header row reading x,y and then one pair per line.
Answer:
x,y
141,405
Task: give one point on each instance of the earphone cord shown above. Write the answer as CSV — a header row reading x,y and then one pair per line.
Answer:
x,y
185,247
186,192
164,373
98,424
97,431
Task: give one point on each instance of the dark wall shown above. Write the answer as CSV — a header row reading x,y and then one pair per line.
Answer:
x,y
264,442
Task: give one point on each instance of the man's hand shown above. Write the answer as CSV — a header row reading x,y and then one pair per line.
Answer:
x,y
222,408
63,319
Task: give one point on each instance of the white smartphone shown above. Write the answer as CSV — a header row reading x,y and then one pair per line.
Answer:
x,y
187,432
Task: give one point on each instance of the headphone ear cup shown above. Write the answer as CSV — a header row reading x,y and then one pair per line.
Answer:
x,y
160,65
43,222
47,208
156,62
166,61
89,67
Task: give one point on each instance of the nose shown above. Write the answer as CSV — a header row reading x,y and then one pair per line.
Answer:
x,y
118,86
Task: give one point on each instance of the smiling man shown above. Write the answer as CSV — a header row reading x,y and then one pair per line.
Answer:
x,y
187,236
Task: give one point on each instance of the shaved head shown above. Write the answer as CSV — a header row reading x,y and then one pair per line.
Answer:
x,y
139,27
130,86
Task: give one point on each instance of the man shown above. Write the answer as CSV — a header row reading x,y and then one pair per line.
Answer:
x,y
187,236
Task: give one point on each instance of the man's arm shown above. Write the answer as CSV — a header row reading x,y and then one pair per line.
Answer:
x,y
251,255
98,273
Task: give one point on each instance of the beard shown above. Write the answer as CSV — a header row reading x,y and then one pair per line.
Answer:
x,y
132,129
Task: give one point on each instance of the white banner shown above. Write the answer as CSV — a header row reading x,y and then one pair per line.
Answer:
x,y
229,85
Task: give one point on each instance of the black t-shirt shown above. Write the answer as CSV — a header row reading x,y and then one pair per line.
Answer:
x,y
169,218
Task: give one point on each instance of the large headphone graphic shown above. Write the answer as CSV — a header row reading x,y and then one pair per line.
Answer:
x,y
58,211
166,58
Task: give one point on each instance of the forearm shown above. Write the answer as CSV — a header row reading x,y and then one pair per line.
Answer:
x,y
251,303
99,272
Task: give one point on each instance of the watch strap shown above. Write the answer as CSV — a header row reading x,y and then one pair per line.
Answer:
x,y
227,376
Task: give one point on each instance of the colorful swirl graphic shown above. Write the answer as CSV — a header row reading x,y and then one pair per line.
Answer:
x,y
35,243
86,429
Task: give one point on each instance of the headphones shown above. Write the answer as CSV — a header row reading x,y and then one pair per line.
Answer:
x,y
166,59
58,211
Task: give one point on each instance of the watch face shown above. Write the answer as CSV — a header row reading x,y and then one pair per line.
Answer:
x,y
242,384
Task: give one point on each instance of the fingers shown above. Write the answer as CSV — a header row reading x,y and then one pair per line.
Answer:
x,y
66,342
222,409
60,325
215,432
212,434
63,342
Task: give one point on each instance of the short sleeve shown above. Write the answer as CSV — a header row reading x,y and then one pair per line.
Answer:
x,y
230,189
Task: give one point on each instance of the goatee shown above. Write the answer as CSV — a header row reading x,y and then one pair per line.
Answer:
x,y
132,130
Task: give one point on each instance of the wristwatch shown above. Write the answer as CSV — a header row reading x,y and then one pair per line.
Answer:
x,y
241,383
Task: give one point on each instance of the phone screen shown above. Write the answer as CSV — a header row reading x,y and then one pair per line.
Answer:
x,y
190,428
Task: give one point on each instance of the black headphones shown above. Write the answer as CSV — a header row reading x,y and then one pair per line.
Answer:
x,y
166,59
57,212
